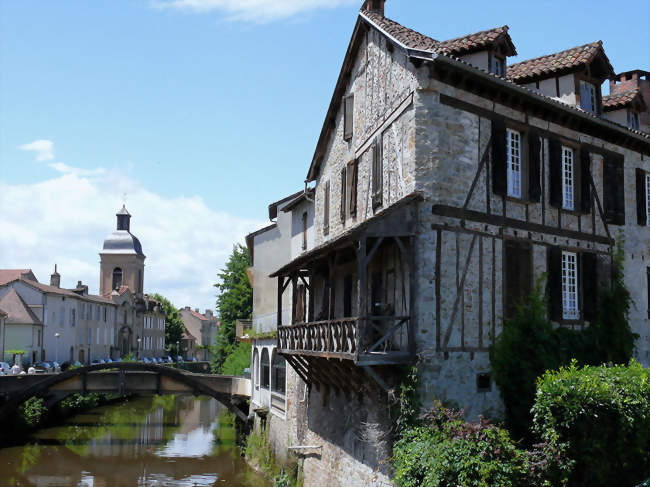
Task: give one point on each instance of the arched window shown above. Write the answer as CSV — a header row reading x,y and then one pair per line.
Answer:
x,y
265,369
278,374
117,278
256,369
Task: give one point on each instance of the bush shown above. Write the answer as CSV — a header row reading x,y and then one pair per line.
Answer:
x,y
601,416
238,360
33,411
450,451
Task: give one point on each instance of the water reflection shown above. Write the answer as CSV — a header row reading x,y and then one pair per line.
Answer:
x,y
159,441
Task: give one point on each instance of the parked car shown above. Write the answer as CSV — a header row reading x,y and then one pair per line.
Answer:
x,y
5,368
168,359
118,359
179,359
43,367
108,360
146,360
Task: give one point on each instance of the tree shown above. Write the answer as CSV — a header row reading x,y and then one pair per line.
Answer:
x,y
173,322
234,301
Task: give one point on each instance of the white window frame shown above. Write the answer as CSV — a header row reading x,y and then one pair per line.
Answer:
x,y
570,308
568,178
513,160
633,120
498,66
588,100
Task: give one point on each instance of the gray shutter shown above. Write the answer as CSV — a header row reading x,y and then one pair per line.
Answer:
x,y
348,116
534,166
620,192
344,184
499,163
353,174
609,190
555,172
641,198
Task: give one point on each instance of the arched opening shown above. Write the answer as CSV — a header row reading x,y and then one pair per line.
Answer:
x,y
265,369
256,369
278,374
117,278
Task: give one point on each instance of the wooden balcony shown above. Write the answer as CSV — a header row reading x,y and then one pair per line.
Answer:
x,y
373,340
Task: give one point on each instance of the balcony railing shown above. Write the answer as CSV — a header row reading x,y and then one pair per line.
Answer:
x,y
358,339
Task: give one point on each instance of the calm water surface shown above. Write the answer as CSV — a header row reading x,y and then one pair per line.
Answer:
x,y
159,441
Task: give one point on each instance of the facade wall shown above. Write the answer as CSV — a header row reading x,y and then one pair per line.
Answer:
x,y
132,272
306,207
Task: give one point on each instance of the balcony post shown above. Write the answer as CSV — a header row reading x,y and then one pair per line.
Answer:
x,y
361,291
310,312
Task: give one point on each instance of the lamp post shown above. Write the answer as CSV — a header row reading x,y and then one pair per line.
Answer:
x,y
57,336
178,352
138,350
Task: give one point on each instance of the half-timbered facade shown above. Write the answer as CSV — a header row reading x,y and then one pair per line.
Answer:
x,y
446,183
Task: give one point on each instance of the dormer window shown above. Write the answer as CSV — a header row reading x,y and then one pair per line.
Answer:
x,y
588,99
633,120
498,66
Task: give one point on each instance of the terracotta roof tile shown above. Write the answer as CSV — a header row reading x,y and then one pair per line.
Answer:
x,y
559,61
477,42
622,99
410,38
8,275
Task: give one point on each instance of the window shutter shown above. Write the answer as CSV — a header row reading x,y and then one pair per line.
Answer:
x,y
534,166
620,193
499,164
609,190
353,174
377,173
344,184
555,282
348,117
555,172
641,198
585,180
326,209
589,278
518,274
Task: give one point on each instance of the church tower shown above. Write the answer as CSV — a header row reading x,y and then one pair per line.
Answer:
x,y
121,259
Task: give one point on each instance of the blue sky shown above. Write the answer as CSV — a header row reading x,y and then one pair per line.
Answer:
x,y
216,103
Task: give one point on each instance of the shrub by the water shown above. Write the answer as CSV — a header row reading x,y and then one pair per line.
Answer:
x,y
601,416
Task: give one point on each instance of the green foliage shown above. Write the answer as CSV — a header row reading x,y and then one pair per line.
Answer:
x,y
601,416
235,301
448,451
78,402
33,411
129,358
259,453
408,401
529,345
238,360
173,323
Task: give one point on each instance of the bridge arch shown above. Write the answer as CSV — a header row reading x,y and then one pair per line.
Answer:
x,y
230,391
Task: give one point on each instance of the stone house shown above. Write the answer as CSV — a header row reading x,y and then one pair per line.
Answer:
x,y
445,184
202,326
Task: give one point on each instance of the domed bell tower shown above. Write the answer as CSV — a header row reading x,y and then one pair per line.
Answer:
x,y
122,259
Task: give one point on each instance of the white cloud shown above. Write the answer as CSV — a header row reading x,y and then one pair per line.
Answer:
x,y
254,10
44,149
65,220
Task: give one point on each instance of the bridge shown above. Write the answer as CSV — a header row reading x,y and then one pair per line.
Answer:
x,y
124,378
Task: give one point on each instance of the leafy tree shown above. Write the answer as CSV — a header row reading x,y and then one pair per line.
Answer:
x,y
238,360
234,301
173,321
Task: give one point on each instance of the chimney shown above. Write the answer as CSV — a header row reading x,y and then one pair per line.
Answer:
x,y
375,6
55,279
629,81
81,289
208,314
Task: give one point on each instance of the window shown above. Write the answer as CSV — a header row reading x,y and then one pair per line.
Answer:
x,y
498,65
304,231
117,278
513,155
353,174
518,274
256,366
344,184
97,336
614,190
265,369
348,117
326,209
104,310
633,120
567,178
278,382
588,100
105,336
570,286
73,316
112,335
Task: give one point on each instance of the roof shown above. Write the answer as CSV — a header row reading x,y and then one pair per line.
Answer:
x,y
405,36
122,242
622,99
273,207
8,275
2,313
303,197
187,335
123,211
62,292
567,60
17,310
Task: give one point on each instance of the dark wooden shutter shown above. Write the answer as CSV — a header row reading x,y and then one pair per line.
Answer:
x,y
620,193
555,172
534,166
589,278
585,180
518,274
326,209
555,282
353,174
499,163
377,173
641,198
614,190
348,117
344,184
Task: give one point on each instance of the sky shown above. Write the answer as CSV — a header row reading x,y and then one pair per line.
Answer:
x,y
199,113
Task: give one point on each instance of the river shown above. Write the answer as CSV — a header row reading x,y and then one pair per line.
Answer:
x,y
147,441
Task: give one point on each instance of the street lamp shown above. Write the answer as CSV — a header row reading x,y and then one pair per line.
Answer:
x,y
138,351
57,336
177,349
